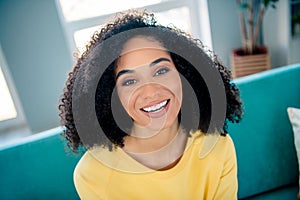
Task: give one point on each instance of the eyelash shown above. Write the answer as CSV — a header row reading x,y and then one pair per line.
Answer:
x,y
128,82
159,72
162,71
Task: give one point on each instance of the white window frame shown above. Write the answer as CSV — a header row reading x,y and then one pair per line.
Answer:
x,y
19,121
198,10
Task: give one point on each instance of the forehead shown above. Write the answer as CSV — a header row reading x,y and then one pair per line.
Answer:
x,y
140,51
141,42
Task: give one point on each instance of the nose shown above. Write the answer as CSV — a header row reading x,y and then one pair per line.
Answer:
x,y
149,91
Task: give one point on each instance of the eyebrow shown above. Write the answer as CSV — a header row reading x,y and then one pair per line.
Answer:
x,y
128,71
158,61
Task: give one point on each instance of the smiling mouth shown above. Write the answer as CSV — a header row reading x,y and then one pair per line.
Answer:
x,y
156,108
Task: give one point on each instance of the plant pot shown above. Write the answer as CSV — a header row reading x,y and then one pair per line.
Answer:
x,y
243,65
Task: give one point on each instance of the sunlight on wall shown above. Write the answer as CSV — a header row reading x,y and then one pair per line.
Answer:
x,y
7,107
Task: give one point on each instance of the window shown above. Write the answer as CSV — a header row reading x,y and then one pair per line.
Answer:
x,y
81,18
11,114
83,9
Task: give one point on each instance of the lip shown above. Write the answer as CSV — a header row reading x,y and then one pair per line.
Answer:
x,y
157,114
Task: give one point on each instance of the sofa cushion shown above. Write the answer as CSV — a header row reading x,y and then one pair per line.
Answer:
x,y
37,167
264,139
294,115
287,192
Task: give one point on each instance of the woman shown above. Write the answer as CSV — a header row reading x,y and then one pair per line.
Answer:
x,y
151,107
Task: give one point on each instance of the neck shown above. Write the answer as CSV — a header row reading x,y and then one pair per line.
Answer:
x,y
143,139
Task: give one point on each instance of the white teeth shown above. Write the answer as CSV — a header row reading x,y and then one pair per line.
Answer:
x,y
157,107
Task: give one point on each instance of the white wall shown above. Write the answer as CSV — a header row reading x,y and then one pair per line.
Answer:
x,y
294,50
37,56
276,32
284,48
225,28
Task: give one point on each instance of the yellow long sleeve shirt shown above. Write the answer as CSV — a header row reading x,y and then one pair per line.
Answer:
x,y
207,170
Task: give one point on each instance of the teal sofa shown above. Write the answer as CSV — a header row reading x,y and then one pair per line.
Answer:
x,y
38,167
264,141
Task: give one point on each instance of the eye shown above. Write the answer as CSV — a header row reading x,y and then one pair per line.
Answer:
x,y
128,82
162,71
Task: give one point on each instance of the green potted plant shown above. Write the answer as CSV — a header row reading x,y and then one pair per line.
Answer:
x,y
296,23
253,56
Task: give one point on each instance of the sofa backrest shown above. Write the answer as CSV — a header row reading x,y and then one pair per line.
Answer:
x,y
264,138
37,167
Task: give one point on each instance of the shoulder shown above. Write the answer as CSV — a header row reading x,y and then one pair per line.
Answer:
x,y
86,166
226,146
90,163
86,162
213,145
91,177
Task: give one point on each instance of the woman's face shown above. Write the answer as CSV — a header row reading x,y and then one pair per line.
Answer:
x,y
148,84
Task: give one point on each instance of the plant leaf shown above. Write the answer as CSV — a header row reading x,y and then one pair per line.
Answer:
x,y
272,2
244,6
266,3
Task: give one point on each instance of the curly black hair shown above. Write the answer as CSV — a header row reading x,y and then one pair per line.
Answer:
x,y
98,62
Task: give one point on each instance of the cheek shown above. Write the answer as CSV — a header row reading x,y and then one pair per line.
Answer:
x,y
177,88
126,99
173,84
122,96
